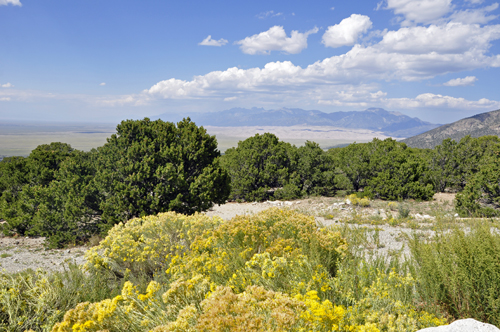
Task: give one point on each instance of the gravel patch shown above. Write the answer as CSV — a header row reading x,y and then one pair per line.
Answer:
x,y
17,254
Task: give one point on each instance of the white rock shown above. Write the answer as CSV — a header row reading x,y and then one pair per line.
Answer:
x,y
348,201
288,203
418,216
298,202
463,325
456,215
426,216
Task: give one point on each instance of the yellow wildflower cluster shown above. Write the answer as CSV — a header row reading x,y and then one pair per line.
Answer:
x,y
274,271
148,244
392,206
355,200
130,311
220,254
321,316
382,305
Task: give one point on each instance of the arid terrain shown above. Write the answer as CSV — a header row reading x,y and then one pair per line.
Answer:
x,y
18,139
326,137
380,227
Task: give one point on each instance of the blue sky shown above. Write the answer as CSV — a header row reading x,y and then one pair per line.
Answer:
x,y
104,61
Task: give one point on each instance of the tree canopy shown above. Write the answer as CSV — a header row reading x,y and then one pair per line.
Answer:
x,y
145,168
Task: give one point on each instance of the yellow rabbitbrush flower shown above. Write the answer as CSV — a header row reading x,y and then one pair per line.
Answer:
x,y
321,316
382,304
254,310
274,271
130,311
27,300
225,251
148,244
355,200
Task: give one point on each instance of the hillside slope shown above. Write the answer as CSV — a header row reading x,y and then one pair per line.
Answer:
x,y
476,126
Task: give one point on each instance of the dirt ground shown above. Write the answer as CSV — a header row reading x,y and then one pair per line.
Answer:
x,y
17,254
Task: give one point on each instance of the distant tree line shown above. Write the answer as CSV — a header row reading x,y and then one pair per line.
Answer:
x,y
262,167
149,167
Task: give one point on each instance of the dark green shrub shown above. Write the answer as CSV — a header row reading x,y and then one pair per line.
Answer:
x,y
398,173
25,181
404,211
481,195
469,154
149,167
258,164
289,191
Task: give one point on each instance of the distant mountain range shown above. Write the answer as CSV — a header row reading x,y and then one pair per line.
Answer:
x,y
478,125
377,119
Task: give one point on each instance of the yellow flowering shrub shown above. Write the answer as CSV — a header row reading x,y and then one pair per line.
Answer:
x,y
356,201
292,274
386,305
148,244
273,271
280,233
392,206
130,311
184,293
256,309
321,316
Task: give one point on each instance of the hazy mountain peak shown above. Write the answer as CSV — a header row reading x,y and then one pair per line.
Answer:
x,y
377,119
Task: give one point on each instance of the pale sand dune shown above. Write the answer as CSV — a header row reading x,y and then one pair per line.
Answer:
x,y
323,135
20,139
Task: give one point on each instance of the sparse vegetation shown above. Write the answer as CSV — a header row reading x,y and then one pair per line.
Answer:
x,y
152,270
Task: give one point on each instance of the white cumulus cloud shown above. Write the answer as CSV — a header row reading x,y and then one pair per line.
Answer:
x,y
413,53
469,80
443,39
6,85
347,31
102,84
477,15
420,11
10,2
359,65
437,101
212,42
275,39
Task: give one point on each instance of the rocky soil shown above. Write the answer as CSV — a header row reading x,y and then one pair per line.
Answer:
x,y
19,253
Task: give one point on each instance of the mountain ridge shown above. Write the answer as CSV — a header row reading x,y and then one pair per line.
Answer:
x,y
377,119
482,124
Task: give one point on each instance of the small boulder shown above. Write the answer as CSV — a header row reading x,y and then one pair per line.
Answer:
x,y
463,325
